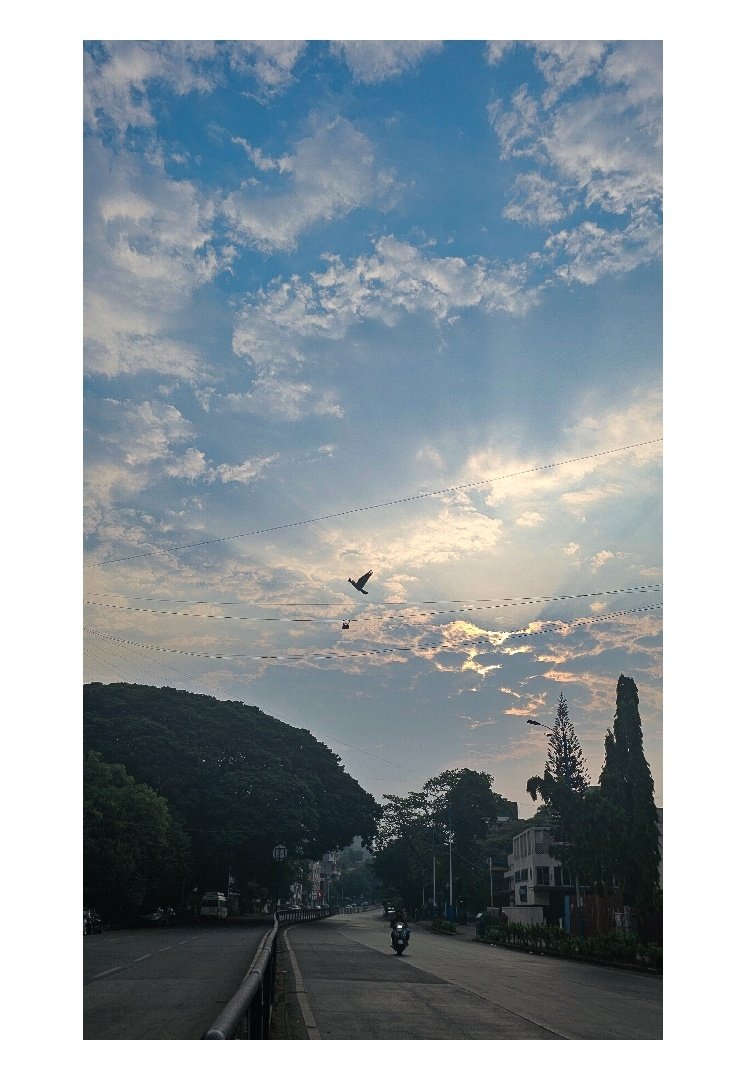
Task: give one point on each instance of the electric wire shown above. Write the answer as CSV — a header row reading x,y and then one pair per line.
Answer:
x,y
375,506
355,654
194,678
646,589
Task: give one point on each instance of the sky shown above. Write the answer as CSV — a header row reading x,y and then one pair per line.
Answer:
x,y
390,306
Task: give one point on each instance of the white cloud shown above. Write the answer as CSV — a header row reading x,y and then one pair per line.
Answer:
x,y
530,519
495,50
566,63
250,469
284,399
333,172
602,152
270,63
261,161
188,467
118,74
137,450
590,252
375,61
601,558
395,279
536,200
148,247
518,128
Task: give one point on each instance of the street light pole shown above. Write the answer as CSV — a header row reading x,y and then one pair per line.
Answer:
x,y
435,906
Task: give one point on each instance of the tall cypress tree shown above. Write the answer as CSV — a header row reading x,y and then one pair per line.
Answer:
x,y
626,782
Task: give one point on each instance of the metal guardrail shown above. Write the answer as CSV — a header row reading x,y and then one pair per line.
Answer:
x,y
248,1014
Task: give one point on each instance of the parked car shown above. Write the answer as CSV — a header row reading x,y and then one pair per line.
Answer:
x,y
91,921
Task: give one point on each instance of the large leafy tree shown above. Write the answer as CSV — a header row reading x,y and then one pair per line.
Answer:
x,y
457,806
241,780
626,784
135,850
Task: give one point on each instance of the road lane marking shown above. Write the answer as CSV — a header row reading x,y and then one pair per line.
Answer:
x,y
111,971
165,949
301,994
141,957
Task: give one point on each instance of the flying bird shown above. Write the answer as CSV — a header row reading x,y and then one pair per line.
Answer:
x,y
361,582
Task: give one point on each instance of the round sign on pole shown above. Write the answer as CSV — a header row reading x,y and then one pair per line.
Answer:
x,y
279,853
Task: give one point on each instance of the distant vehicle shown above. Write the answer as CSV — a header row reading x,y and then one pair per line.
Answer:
x,y
213,907
389,909
159,916
91,921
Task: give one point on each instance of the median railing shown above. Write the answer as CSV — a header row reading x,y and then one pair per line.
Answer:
x,y
248,1013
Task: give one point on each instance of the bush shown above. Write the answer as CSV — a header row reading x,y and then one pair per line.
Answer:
x,y
616,946
443,925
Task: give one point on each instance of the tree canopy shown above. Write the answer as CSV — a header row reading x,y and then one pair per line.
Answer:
x,y
240,780
135,851
626,783
457,806
608,836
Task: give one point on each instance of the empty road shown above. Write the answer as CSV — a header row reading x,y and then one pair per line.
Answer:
x,y
163,983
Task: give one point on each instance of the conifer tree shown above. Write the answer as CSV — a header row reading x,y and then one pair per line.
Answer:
x,y
626,782
564,759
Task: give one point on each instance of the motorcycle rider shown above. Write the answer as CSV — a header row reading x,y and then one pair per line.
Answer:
x,y
400,915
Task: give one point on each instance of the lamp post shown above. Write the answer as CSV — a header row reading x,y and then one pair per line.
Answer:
x,y
568,776
279,856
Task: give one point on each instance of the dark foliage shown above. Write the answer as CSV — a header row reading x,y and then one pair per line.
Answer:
x,y
626,783
458,804
136,852
241,780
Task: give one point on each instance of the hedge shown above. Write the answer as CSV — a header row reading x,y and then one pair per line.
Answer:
x,y
617,946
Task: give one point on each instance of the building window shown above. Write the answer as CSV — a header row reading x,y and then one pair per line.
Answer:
x,y
524,893
542,876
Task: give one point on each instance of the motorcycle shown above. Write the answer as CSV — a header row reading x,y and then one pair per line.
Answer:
x,y
400,937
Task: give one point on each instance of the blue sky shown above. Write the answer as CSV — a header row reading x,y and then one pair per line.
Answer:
x,y
423,277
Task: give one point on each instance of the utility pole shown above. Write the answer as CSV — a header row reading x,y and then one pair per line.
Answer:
x,y
450,873
435,906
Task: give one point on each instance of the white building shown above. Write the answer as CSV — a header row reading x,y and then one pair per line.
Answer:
x,y
537,882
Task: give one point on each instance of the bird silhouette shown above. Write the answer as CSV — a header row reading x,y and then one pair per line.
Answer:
x,y
361,582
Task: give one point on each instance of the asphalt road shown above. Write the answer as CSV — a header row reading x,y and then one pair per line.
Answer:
x,y
163,983
342,980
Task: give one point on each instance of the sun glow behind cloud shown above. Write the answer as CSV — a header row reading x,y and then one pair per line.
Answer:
x,y
290,315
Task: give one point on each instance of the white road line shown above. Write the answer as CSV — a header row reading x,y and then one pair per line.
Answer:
x,y
306,1011
141,957
111,971
165,949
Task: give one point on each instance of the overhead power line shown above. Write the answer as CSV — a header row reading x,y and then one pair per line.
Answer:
x,y
348,654
646,588
376,506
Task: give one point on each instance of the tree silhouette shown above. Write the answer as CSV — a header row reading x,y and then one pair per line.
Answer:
x,y
564,759
626,782
565,774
